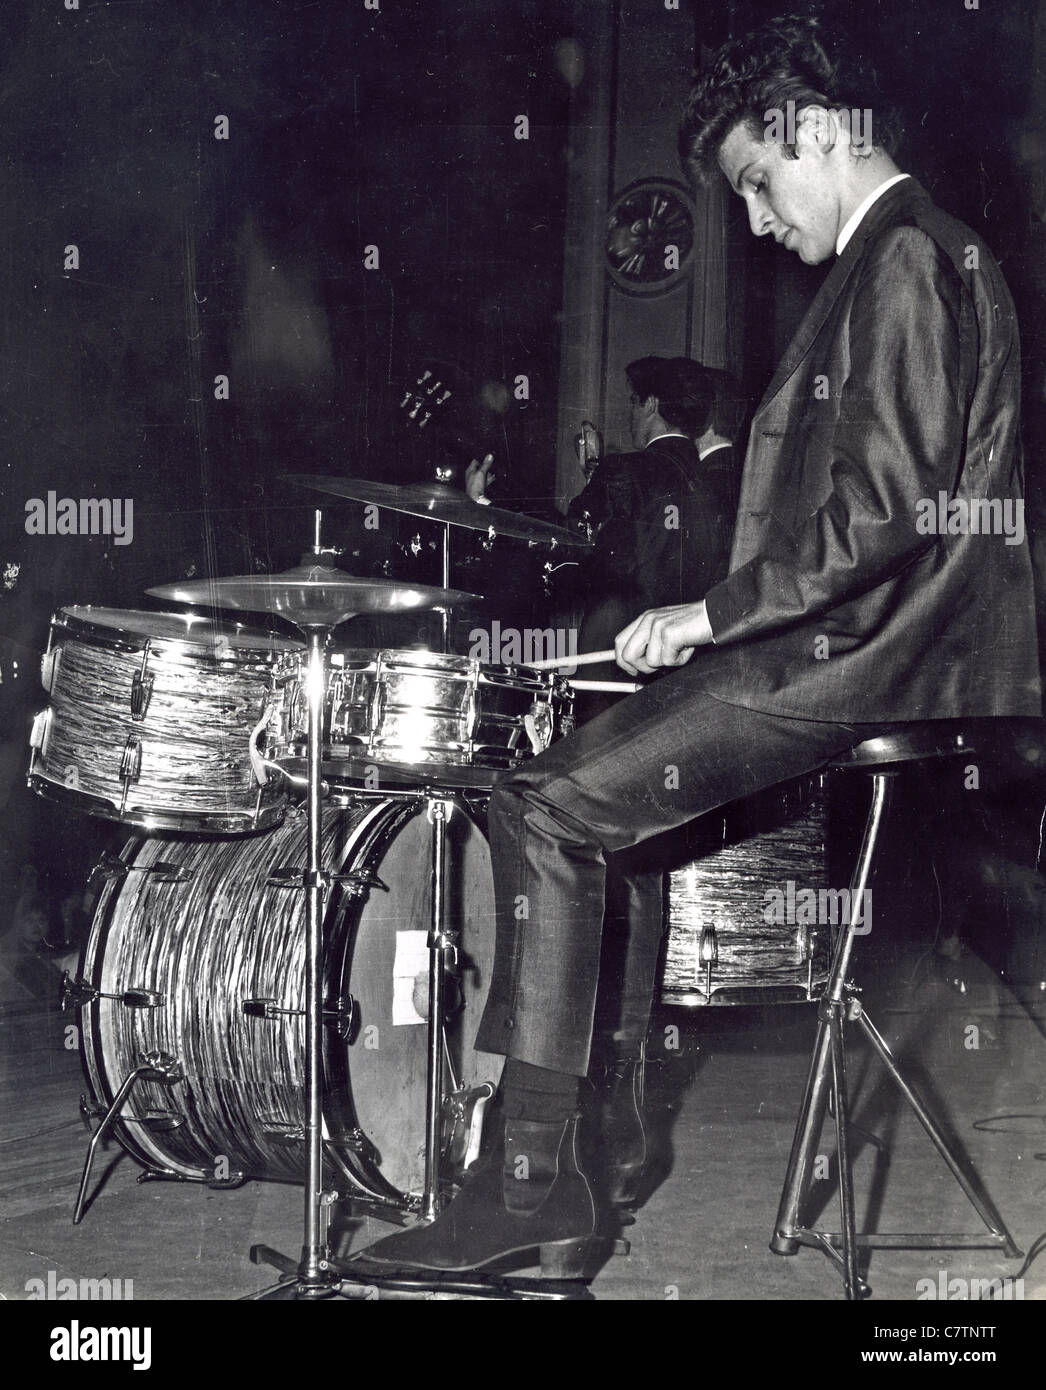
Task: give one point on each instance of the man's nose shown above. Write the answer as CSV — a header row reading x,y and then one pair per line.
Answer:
x,y
760,219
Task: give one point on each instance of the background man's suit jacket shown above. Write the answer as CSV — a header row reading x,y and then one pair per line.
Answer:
x,y
643,554
902,382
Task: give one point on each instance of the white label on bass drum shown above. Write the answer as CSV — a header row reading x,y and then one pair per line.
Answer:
x,y
410,978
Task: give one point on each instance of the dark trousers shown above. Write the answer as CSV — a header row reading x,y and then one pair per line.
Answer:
x,y
654,761
634,913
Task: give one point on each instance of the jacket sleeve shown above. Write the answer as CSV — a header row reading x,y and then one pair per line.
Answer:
x,y
898,438
606,494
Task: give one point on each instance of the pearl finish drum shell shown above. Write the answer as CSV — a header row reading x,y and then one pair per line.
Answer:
x,y
766,842
225,934
207,686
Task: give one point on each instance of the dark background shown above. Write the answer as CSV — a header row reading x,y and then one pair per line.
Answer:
x,y
351,128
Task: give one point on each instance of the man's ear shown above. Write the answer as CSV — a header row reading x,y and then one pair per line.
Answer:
x,y
817,128
651,407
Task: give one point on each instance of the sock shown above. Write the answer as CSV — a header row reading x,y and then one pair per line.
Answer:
x,y
537,1093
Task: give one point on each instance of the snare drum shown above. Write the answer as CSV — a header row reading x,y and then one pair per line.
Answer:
x,y
750,922
196,955
413,715
151,717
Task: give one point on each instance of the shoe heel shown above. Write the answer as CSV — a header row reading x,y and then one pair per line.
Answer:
x,y
569,1259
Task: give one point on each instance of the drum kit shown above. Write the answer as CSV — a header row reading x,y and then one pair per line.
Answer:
x,y
286,967
287,964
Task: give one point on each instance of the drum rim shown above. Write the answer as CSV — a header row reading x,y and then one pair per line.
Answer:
x,y
81,620
268,816
471,664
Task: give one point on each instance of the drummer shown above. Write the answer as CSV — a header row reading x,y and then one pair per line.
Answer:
x,y
827,561
661,517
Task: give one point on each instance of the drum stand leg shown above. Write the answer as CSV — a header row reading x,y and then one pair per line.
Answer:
x,y
826,1080
441,943
155,1066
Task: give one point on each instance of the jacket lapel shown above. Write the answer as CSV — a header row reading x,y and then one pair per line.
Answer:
x,y
890,207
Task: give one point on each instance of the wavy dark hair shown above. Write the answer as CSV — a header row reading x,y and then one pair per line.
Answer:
x,y
790,59
691,397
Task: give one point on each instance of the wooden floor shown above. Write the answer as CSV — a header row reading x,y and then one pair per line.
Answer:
x,y
724,1099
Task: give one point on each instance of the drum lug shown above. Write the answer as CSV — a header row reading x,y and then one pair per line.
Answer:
x,y
359,882
167,873
708,955
284,878
108,868
341,1015
38,737
164,1066
141,694
267,1008
283,1131
139,998
807,941
78,993
357,1142
74,994
130,766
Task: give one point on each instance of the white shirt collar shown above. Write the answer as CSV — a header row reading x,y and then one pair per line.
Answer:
x,y
712,448
854,220
668,434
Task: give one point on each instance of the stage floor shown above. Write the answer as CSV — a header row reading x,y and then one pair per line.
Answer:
x,y
724,1102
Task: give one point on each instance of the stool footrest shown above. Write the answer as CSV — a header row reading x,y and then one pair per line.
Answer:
x,y
892,1240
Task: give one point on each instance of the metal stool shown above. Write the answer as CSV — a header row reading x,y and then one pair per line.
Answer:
x,y
881,758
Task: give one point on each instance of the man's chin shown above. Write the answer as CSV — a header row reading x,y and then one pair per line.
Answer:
x,y
812,257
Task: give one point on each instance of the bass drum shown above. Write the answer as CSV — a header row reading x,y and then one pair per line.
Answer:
x,y
197,952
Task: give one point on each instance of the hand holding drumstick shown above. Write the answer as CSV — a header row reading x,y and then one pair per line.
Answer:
x,y
659,637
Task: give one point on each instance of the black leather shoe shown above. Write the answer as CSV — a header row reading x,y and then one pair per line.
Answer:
x,y
529,1194
625,1147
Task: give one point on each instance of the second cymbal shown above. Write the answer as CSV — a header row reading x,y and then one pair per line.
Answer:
x,y
436,502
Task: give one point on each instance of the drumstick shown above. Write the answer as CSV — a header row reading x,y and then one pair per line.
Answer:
x,y
585,659
630,686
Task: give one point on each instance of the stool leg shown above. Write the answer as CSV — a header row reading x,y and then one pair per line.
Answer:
x,y
851,1280
807,1133
785,1240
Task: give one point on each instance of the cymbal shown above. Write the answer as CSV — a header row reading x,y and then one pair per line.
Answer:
x,y
436,502
311,595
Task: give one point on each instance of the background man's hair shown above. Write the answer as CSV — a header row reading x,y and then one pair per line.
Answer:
x,y
690,396
791,59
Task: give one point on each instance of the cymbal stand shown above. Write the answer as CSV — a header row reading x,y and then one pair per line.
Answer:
x,y
444,613
317,1274
314,1277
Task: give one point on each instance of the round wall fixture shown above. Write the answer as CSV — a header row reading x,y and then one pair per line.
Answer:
x,y
650,237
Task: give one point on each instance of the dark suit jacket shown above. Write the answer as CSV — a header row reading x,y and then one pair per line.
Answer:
x,y
901,383
665,519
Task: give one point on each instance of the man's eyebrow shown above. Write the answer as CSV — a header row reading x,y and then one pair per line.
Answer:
x,y
737,185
